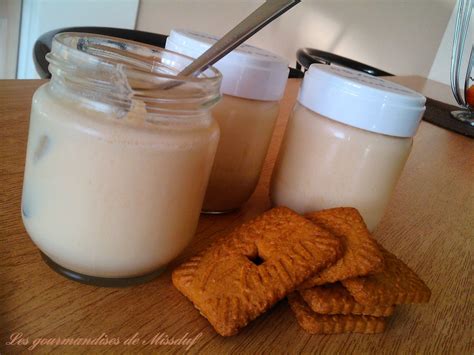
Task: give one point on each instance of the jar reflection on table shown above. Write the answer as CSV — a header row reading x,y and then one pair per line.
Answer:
x,y
117,168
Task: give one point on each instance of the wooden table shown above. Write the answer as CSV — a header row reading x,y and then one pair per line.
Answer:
x,y
429,224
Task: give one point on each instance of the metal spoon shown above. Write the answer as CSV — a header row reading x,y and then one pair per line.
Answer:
x,y
253,23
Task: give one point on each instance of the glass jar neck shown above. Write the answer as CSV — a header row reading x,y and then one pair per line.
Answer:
x,y
113,74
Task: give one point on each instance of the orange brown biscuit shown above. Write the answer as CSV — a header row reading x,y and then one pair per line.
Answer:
x,y
361,256
396,284
244,274
335,299
315,323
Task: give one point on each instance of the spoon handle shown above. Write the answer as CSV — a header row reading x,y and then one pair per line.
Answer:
x,y
262,16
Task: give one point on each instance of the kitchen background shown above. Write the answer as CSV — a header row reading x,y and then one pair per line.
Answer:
x,y
404,37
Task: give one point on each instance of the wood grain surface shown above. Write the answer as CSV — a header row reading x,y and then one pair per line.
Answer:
x,y
429,224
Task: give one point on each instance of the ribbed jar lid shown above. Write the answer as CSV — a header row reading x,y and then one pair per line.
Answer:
x,y
361,100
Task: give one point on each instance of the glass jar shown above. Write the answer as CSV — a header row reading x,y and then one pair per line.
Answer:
x,y
346,143
254,81
117,161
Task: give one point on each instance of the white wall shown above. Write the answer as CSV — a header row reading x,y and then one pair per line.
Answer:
x,y
40,16
10,11
399,36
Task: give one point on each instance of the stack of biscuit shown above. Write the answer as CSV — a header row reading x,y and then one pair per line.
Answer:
x,y
337,278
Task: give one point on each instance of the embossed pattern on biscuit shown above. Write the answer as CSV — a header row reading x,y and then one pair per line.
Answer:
x,y
335,299
361,255
396,284
243,274
315,323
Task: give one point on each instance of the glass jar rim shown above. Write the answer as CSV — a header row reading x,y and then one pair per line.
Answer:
x,y
121,69
68,39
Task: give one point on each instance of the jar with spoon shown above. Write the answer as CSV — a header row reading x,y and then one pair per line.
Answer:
x,y
117,167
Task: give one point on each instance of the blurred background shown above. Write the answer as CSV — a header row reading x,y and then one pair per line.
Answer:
x,y
403,37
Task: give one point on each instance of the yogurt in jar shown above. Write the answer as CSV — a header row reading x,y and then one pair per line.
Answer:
x,y
346,143
112,193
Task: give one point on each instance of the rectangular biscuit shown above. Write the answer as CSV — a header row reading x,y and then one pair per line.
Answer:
x,y
315,323
361,254
335,299
242,275
396,284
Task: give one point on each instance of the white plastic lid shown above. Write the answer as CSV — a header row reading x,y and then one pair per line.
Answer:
x,y
361,100
247,71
